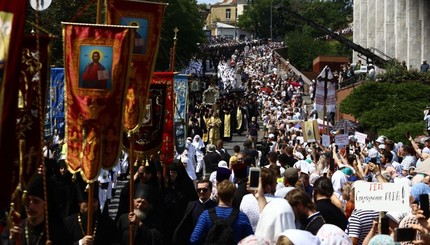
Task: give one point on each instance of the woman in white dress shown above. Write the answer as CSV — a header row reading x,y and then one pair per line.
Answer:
x,y
189,160
199,146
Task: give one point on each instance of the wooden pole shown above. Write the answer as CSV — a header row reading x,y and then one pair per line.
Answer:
x,y
90,209
172,60
131,164
99,12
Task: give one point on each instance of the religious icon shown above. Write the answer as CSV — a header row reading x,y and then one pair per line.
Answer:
x,y
141,33
5,32
95,67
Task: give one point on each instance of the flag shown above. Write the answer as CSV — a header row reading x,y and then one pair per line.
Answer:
x,y
148,16
156,131
181,99
96,71
12,20
55,103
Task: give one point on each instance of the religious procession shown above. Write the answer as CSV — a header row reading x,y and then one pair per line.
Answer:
x,y
240,147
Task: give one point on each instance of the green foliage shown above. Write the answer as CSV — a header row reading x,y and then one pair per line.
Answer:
x,y
397,133
396,73
183,14
382,106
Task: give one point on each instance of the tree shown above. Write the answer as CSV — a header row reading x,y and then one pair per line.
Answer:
x,y
385,107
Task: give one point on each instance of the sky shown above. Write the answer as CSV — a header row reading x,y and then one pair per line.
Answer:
x,y
208,1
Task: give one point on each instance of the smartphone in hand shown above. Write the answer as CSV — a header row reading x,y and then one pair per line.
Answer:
x,y
404,234
424,205
254,175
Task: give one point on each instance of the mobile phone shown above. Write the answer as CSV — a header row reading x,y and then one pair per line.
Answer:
x,y
404,234
331,165
424,205
254,175
408,134
384,225
347,150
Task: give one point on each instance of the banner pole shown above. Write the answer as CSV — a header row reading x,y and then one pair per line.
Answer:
x,y
99,12
90,209
131,200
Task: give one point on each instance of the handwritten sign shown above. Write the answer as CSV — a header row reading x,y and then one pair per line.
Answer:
x,y
389,197
361,138
325,140
341,139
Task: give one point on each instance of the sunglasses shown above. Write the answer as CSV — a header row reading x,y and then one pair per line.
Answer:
x,y
202,189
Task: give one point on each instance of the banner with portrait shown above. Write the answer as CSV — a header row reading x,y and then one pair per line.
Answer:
x,y
156,131
96,77
310,131
181,108
30,118
12,20
148,17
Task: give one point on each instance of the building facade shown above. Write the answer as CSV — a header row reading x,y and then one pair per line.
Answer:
x,y
398,28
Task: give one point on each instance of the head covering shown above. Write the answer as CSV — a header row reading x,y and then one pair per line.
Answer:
x,y
381,139
299,155
222,174
271,136
276,217
254,240
419,189
35,187
347,171
198,144
253,119
332,235
396,216
222,164
382,240
144,192
312,178
210,148
299,237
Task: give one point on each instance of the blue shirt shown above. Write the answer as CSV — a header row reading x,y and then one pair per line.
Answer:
x,y
241,226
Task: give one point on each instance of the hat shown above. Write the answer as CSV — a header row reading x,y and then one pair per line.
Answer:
x,y
347,171
381,147
222,174
271,136
312,178
381,139
395,216
291,173
239,170
35,187
222,164
211,148
299,155
253,118
144,192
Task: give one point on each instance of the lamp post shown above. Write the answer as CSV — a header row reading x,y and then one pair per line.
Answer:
x,y
271,20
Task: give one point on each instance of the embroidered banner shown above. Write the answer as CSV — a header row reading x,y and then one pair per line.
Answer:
x,y
96,71
12,20
331,92
156,130
181,108
148,16
54,118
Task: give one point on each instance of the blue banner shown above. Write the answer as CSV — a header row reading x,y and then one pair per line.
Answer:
x,y
181,108
55,104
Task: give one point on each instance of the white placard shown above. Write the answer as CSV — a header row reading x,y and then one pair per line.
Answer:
x,y
341,139
325,140
389,197
361,138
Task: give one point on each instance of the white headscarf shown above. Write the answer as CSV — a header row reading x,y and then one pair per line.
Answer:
x,y
332,235
300,237
198,144
276,217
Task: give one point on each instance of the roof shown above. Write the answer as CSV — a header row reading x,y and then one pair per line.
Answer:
x,y
225,2
224,26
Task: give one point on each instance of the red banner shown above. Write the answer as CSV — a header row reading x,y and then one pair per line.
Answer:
x,y
96,70
12,20
148,16
156,131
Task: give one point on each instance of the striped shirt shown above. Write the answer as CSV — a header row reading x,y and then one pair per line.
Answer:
x,y
241,226
360,223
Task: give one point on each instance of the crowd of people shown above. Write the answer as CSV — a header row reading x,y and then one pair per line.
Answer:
x,y
305,192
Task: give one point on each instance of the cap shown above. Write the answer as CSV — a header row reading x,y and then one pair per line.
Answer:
x,y
222,164
271,136
35,187
144,192
211,148
381,139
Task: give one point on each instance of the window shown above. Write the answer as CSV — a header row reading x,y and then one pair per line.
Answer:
x,y
228,14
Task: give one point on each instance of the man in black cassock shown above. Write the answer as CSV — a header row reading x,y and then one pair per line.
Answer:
x,y
104,228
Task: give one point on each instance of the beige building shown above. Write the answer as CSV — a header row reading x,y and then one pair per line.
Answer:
x,y
225,15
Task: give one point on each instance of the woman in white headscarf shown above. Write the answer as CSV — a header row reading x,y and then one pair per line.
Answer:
x,y
332,235
199,147
189,160
297,237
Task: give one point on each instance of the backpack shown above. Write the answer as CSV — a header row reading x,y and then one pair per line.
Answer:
x,y
221,232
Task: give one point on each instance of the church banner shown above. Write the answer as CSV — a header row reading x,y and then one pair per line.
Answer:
x,y
148,17
56,97
96,76
156,131
321,94
12,20
181,96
